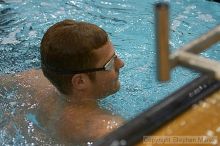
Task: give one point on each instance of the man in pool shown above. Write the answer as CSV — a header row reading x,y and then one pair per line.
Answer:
x,y
81,65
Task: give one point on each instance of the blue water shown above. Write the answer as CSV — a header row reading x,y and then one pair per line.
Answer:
x,y
130,24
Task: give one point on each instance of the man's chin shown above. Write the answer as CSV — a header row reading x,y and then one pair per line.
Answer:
x,y
117,86
114,89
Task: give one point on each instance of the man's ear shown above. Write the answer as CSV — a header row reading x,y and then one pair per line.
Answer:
x,y
80,81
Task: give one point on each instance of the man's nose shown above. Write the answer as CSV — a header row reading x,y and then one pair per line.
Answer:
x,y
120,63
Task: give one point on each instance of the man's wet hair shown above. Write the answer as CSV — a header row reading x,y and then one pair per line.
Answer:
x,y
70,45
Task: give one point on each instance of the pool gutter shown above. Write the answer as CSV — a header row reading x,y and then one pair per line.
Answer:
x,y
152,119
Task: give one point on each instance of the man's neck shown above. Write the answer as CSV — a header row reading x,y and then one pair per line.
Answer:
x,y
79,100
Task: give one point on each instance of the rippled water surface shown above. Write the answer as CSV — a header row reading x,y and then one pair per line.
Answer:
x,y
130,24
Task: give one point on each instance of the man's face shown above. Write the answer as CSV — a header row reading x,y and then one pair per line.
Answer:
x,y
106,82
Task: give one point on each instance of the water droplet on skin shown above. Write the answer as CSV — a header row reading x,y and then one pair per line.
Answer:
x,y
89,143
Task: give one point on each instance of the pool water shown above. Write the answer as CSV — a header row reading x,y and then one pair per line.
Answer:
x,y
130,25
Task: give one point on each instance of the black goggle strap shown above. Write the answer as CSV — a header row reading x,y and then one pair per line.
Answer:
x,y
108,66
69,72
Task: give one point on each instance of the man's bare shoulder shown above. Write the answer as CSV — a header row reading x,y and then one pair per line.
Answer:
x,y
30,81
104,124
33,76
29,75
87,125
